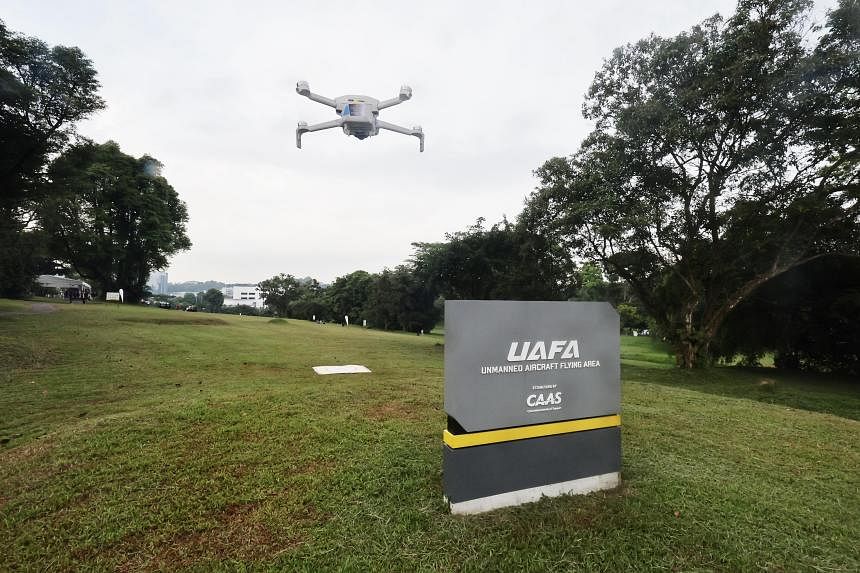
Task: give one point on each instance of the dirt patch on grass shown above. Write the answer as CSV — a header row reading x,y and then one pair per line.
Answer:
x,y
249,368
18,354
252,436
240,533
197,320
278,321
391,411
17,455
312,468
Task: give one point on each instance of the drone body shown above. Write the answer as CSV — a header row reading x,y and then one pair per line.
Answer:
x,y
358,115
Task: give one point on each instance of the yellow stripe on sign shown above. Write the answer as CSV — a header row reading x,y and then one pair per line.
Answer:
x,y
525,432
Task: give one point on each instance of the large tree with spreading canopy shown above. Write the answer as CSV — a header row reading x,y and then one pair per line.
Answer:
x,y
113,217
44,92
721,158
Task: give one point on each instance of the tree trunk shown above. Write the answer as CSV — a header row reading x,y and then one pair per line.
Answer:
x,y
687,355
694,352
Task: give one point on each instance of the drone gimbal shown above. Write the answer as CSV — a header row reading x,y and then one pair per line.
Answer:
x,y
358,115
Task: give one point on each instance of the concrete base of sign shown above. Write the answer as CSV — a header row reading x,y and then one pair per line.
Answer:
x,y
519,471
344,369
532,494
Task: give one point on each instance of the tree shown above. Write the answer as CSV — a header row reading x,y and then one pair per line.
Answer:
x,y
246,310
807,317
348,295
213,300
383,303
113,217
43,93
503,262
279,291
710,170
307,308
591,284
311,301
400,299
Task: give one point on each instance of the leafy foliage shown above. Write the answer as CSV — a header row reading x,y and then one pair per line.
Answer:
x,y
396,299
809,317
279,291
213,300
401,299
721,158
44,91
195,286
311,301
19,258
188,299
349,295
113,217
503,262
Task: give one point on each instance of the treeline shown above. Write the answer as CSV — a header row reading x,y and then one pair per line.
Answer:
x,y
195,286
68,205
505,261
392,300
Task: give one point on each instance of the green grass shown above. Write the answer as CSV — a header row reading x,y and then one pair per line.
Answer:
x,y
146,439
7,305
643,351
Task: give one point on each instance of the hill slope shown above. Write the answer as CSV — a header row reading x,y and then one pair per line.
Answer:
x,y
138,438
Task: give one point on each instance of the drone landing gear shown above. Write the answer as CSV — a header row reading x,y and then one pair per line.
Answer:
x,y
416,131
305,128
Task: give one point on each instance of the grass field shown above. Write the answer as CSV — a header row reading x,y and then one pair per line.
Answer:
x,y
146,439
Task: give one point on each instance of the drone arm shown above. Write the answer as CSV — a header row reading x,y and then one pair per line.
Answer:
x,y
304,89
321,99
305,128
405,94
416,131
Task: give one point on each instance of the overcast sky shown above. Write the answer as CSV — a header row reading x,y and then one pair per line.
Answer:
x,y
208,88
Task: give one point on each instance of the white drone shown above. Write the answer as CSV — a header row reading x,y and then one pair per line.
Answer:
x,y
358,115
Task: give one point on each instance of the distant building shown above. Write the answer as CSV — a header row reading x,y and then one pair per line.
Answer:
x,y
249,295
158,282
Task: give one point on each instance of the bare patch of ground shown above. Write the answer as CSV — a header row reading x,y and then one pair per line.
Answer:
x,y
15,456
391,411
240,533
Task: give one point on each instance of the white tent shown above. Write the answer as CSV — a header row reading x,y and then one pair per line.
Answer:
x,y
61,283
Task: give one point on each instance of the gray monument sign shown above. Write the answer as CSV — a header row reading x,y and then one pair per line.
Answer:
x,y
533,397
518,363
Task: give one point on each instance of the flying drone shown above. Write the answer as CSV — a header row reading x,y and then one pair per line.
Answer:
x,y
358,115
